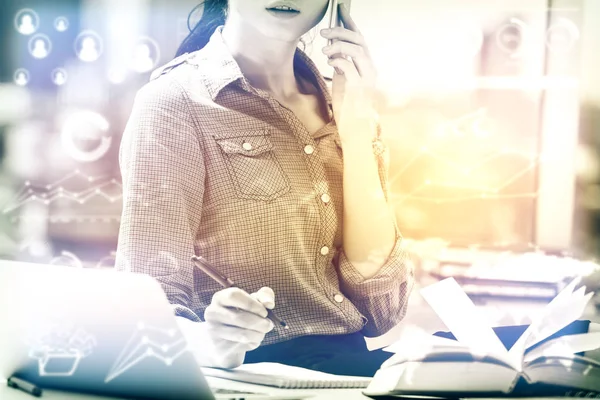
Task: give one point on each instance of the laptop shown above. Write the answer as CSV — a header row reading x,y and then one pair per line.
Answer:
x,y
98,331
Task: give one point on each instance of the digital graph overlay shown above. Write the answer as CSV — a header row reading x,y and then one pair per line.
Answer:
x,y
88,189
165,345
59,348
470,165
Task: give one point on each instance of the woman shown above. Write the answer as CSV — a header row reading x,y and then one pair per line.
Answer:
x,y
234,152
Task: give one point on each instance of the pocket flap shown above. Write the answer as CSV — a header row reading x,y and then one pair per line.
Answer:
x,y
248,145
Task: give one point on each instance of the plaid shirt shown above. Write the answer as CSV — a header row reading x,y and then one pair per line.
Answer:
x,y
214,167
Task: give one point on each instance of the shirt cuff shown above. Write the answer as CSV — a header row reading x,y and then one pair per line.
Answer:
x,y
394,271
182,311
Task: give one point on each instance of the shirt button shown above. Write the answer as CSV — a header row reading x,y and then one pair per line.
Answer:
x,y
324,250
308,149
325,198
339,298
247,146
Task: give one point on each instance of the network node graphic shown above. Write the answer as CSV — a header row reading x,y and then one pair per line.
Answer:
x,y
21,77
486,170
165,345
40,46
26,21
88,46
145,55
61,24
59,76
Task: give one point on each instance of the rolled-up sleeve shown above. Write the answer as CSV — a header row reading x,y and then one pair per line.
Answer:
x,y
163,184
383,298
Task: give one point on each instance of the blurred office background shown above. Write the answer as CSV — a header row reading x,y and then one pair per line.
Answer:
x,y
492,116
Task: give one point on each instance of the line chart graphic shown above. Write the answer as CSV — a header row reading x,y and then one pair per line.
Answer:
x,y
464,160
75,191
165,345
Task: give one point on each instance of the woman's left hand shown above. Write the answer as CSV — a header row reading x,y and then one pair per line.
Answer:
x,y
354,80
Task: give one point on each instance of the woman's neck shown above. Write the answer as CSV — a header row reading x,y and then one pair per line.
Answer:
x,y
267,63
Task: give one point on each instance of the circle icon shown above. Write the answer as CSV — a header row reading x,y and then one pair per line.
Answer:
x,y
512,36
40,46
21,77
26,21
145,55
561,36
61,24
108,261
67,259
84,136
88,46
59,76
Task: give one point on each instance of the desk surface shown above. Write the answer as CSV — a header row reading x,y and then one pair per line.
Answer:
x,y
7,393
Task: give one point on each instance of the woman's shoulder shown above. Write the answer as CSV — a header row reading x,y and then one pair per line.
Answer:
x,y
173,80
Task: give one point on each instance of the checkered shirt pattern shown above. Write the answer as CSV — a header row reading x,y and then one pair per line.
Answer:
x,y
214,167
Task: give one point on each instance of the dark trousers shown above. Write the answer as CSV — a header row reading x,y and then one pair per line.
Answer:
x,y
335,354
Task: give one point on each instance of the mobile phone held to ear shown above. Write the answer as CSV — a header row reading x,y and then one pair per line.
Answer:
x,y
334,17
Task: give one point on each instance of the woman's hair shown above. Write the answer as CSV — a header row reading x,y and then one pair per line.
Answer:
x,y
214,14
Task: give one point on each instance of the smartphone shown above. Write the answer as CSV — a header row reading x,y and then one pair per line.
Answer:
x,y
334,16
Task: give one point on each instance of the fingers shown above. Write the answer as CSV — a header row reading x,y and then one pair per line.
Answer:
x,y
266,297
345,35
345,49
238,298
237,335
347,68
238,318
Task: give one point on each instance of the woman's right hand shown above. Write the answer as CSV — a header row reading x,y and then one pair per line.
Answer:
x,y
236,322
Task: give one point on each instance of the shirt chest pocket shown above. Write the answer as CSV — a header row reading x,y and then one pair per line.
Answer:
x,y
253,167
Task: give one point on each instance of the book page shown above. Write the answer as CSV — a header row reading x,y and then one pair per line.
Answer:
x,y
462,318
565,308
566,346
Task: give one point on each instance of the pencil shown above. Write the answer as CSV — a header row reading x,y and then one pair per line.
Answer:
x,y
206,267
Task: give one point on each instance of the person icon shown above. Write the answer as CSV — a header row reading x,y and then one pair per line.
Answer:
x,y
26,27
21,78
39,49
61,25
59,78
89,50
142,61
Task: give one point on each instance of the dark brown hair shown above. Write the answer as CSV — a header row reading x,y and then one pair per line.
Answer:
x,y
214,14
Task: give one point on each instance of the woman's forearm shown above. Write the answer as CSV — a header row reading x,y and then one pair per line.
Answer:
x,y
369,229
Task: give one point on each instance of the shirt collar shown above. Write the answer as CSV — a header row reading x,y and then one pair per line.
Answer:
x,y
219,68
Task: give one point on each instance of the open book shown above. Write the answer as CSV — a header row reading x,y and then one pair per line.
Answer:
x,y
286,376
478,363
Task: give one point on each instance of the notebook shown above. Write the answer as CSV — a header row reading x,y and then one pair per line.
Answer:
x,y
287,377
